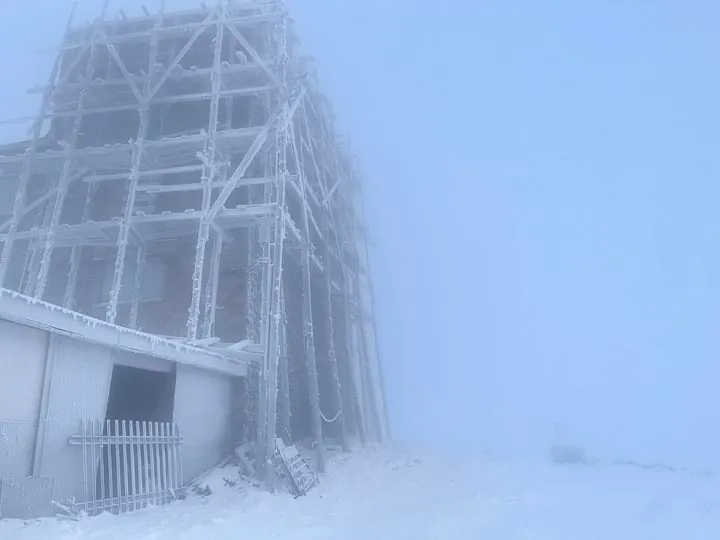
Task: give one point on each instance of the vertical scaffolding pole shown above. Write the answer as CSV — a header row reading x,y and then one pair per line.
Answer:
x,y
68,162
77,251
308,331
253,295
265,264
143,111
208,175
274,317
354,360
34,251
334,372
284,374
371,412
25,268
358,337
369,330
211,291
366,326
260,284
137,286
257,240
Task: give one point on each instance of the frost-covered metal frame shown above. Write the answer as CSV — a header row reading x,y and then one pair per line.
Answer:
x,y
301,160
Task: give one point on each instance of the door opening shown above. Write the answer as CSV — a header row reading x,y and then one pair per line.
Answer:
x,y
140,405
141,394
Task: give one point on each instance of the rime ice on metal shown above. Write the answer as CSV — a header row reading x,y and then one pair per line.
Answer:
x,y
191,186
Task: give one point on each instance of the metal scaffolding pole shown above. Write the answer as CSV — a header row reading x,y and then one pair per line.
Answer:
x,y
137,286
353,357
273,317
284,374
211,290
365,321
274,273
334,372
76,254
371,412
259,301
208,176
137,153
307,315
357,324
368,305
66,173
33,270
255,331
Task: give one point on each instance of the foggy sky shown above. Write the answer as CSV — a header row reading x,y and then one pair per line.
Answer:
x,y
542,193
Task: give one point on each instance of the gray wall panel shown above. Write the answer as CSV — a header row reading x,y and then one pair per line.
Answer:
x,y
22,365
202,411
79,385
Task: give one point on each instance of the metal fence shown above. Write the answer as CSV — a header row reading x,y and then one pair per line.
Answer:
x,y
128,465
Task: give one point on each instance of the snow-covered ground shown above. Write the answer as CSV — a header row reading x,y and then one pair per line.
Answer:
x,y
391,494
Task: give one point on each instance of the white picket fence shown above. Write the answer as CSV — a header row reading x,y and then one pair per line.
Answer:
x,y
128,465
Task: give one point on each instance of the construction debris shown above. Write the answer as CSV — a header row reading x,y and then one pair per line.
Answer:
x,y
300,477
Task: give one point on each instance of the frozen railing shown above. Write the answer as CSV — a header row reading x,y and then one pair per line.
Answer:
x,y
128,465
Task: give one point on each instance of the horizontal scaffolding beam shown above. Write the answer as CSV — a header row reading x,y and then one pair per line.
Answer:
x,y
177,29
227,219
174,188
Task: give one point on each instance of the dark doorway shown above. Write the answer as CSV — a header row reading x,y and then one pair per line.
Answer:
x,y
139,402
141,394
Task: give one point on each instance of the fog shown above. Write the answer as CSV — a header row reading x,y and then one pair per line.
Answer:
x,y
542,197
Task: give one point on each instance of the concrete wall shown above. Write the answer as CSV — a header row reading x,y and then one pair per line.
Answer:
x,y
22,367
78,388
203,413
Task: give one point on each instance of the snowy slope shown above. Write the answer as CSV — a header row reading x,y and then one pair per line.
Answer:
x,y
393,495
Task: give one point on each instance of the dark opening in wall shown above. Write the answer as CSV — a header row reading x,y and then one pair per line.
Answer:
x,y
140,394
142,398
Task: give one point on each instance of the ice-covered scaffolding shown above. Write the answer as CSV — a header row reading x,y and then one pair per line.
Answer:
x,y
183,178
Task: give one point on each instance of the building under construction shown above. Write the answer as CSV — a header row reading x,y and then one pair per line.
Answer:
x,y
184,185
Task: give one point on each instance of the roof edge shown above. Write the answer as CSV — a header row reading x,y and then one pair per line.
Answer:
x,y
22,309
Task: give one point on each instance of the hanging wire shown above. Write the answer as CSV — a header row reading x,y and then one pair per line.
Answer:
x,y
337,415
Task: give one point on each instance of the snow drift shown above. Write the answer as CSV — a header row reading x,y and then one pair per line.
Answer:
x,y
392,494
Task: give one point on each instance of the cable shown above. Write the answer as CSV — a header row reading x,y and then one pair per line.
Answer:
x,y
337,415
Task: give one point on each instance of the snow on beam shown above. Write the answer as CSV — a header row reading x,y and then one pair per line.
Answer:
x,y
152,172
180,74
186,28
28,311
173,188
